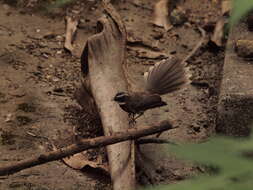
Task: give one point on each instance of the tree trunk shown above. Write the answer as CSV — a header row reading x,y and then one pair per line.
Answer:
x,y
102,61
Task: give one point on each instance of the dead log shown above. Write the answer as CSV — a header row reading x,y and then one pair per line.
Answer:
x,y
83,144
102,62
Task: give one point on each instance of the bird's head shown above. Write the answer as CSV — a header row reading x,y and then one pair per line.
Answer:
x,y
121,97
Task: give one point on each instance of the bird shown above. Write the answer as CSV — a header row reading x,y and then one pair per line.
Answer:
x,y
164,77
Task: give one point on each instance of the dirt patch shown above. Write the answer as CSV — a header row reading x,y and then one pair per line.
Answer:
x,y
38,81
86,124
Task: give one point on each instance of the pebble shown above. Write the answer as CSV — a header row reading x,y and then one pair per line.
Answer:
x,y
59,52
45,55
48,77
178,16
59,38
8,117
244,48
55,79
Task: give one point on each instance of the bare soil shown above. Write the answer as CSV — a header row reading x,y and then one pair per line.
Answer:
x,y
38,80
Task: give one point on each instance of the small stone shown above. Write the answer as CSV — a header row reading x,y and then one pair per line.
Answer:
x,y
59,38
42,44
48,77
178,16
41,147
55,79
45,55
244,48
162,40
8,117
59,52
37,30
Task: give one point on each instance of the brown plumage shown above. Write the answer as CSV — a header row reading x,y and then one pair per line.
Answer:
x,y
164,77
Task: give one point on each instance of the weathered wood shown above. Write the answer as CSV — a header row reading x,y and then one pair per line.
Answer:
x,y
102,60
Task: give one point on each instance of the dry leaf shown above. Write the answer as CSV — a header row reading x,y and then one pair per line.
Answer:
x,y
79,161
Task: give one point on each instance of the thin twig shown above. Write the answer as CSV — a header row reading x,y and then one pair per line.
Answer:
x,y
199,44
81,146
154,141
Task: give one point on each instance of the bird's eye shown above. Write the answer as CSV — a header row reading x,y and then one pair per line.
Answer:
x,y
121,97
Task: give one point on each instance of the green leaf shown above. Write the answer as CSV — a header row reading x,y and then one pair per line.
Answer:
x,y
235,171
221,152
202,183
240,9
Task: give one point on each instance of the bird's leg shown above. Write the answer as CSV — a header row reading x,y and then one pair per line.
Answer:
x,y
132,119
158,135
139,115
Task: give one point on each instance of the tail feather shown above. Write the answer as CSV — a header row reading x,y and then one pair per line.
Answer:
x,y
173,74
174,87
173,81
163,68
167,76
168,81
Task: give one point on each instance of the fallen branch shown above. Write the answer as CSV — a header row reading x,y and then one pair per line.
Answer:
x,y
154,141
82,146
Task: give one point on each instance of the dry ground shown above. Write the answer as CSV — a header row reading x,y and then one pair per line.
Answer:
x,y
38,80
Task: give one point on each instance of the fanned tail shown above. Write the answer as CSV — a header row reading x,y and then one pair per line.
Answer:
x,y
166,76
